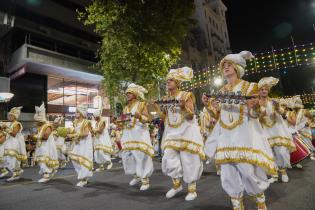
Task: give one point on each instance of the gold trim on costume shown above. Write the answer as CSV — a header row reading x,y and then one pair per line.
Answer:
x,y
185,145
104,148
15,153
138,145
54,164
81,160
282,141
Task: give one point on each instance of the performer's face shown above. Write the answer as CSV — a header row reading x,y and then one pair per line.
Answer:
x,y
11,117
171,84
130,96
77,115
228,69
205,100
264,91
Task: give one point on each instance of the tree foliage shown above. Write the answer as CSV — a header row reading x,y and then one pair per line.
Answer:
x,y
141,39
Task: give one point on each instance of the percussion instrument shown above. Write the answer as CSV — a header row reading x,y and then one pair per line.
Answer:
x,y
230,97
301,151
313,136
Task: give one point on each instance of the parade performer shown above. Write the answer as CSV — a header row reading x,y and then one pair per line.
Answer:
x,y
137,150
60,134
236,142
3,137
102,144
14,149
303,121
182,141
46,154
276,130
82,152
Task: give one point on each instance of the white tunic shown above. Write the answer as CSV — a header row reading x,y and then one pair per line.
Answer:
x,y
102,145
46,151
238,138
60,143
275,128
136,135
181,134
15,149
82,152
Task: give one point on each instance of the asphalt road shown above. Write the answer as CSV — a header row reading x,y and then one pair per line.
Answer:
x,y
110,190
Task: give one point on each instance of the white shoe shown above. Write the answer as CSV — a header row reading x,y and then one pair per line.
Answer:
x,y
298,166
144,187
312,157
13,178
172,192
82,183
99,169
134,181
110,165
191,196
207,162
4,173
219,172
43,180
284,178
273,180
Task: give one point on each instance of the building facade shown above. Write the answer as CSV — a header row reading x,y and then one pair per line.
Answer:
x,y
48,55
208,41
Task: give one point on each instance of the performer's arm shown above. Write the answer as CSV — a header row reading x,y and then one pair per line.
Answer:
x,y
187,106
143,116
101,128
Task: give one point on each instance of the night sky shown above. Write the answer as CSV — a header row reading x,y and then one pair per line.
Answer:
x,y
257,25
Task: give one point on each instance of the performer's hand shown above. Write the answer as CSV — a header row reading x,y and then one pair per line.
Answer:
x,y
182,103
137,115
215,104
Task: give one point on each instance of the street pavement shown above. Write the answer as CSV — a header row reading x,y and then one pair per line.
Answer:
x,y
109,190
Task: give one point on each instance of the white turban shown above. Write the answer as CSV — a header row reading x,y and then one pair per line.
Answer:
x,y
267,81
97,113
137,90
40,113
298,103
290,103
58,120
16,111
181,74
238,59
82,110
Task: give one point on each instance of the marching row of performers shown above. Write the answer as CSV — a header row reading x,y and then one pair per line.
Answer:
x,y
250,136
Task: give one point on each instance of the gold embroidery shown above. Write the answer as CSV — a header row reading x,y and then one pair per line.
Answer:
x,y
81,160
245,149
236,123
48,161
15,153
138,145
185,145
281,141
104,148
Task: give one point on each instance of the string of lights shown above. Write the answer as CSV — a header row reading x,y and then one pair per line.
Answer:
x,y
273,60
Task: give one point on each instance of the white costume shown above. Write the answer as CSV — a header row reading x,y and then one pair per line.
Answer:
x,y
102,144
60,135
182,141
46,151
82,152
137,150
14,147
276,130
238,145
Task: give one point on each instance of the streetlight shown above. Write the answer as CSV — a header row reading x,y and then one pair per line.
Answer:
x,y
218,81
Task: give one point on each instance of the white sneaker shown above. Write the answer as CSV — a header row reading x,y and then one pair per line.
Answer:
x,y
312,157
219,172
284,178
191,196
298,166
134,181
99,169
172,192
4,173
144,187
207,162
82,183
273,180
110,165
43,180
13,178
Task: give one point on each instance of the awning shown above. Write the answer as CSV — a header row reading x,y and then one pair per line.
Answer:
x,y
37,60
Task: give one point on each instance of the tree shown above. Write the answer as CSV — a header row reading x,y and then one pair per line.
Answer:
x,y
141,39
